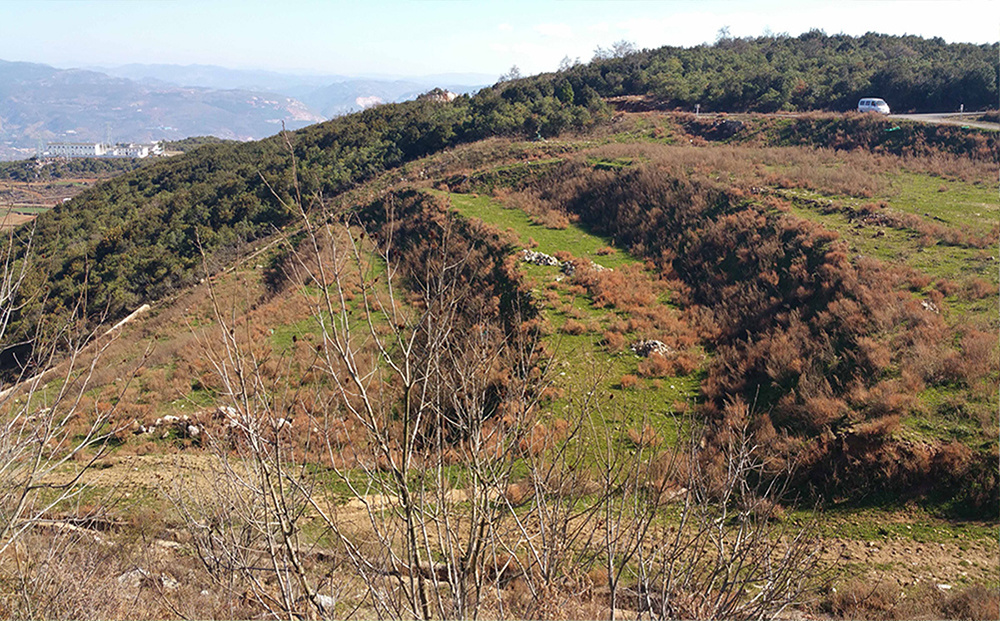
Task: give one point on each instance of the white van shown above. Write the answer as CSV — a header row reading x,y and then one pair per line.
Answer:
x,y
871,104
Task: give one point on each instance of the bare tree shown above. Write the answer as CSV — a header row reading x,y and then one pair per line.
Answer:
x,y
732,555
453,481
568,63
514,73
47,442
51,437
619,49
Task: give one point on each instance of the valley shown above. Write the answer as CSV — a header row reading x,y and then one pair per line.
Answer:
x,y
531,353
166,366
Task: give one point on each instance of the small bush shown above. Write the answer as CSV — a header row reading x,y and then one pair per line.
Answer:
x,y
656,366
977,288
862,600
614,341
647,437
628,381
976,603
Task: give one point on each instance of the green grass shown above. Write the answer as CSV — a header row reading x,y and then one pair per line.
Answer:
x,y
947,412
198,398
583,365
573,239
951,413
611,164
871,524
899,246
959,204
281,335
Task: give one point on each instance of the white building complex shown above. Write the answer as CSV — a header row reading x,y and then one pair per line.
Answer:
x,y
99,149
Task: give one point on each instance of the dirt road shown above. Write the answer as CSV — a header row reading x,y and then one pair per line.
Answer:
x,y
949,118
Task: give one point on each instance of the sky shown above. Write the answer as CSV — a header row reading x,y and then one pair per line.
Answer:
x,y
421,37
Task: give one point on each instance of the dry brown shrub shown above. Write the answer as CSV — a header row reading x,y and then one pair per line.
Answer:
x,y
975,603
879,427
519,493
947,287
977,288
551,220
560,426
874,354
628,381
686,363
551,393
573,327
619,288
911,382
536,440
952,460
823,411
918,280
655,366
864,600
540,211
614,341
145,448
884,399
647,437
979,354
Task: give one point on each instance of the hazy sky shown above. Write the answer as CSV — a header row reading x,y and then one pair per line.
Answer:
x,y
437,36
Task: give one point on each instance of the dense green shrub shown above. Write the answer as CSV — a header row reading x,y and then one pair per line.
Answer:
x,y
813,71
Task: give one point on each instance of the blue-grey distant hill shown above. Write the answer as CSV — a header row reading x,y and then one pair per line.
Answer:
x,y
328,94
212,76
39,103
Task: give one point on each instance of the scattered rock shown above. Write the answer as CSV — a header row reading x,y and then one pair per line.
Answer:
x,y
649,347
133,578
326,602
539,258
167,544
169,582
280,423
139,577
569,267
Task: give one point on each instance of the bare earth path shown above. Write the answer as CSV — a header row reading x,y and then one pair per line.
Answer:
x,y
949,118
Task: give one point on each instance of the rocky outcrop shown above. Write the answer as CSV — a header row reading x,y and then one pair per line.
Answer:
x,y
648,347
539,258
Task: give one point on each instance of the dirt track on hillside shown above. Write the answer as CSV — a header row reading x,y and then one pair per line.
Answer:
x,y
949,118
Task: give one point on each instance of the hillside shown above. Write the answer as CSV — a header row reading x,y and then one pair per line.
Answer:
x,y
520,356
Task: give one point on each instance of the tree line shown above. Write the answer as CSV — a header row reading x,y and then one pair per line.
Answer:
x,y
813,71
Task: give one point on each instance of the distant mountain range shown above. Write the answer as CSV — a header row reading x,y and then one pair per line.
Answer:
x,y
39,103
329,95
